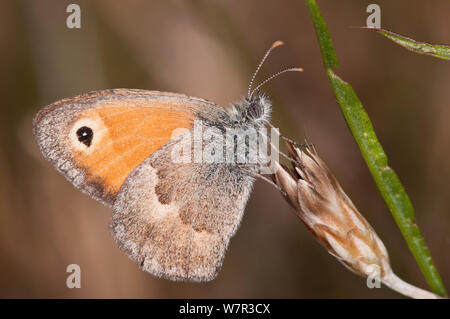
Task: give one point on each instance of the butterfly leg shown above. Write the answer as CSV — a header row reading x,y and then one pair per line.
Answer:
x,y
246,168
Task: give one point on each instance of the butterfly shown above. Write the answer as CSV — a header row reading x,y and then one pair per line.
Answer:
x,y
172,218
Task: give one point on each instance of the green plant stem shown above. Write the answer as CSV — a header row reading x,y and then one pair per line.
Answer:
x,y
385,178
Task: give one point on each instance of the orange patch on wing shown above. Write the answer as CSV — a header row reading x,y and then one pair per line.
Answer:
x,y
129,134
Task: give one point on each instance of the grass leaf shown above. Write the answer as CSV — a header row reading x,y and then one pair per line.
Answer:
x,y
435,50
385,178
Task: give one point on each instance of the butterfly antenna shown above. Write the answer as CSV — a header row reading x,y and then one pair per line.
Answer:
x,y
292,69
274,45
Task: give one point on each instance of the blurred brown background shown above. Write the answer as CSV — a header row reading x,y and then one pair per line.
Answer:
x,y
209,49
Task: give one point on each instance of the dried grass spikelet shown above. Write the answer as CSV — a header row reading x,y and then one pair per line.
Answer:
x,y
330,215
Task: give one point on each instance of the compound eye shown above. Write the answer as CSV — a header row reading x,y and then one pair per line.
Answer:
x,y
254,110
85,135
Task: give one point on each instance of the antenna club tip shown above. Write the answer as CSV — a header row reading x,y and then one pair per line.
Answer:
x,y
299,69
277,44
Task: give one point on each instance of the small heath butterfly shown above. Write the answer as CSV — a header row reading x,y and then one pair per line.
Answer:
x,y
172,216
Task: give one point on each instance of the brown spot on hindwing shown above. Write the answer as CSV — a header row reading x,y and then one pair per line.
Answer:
x,y
190,212
189,215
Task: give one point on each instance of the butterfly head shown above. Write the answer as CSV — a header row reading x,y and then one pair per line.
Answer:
x,y
255,109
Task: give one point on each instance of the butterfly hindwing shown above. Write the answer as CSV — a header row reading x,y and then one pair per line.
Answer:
x,y
176,220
